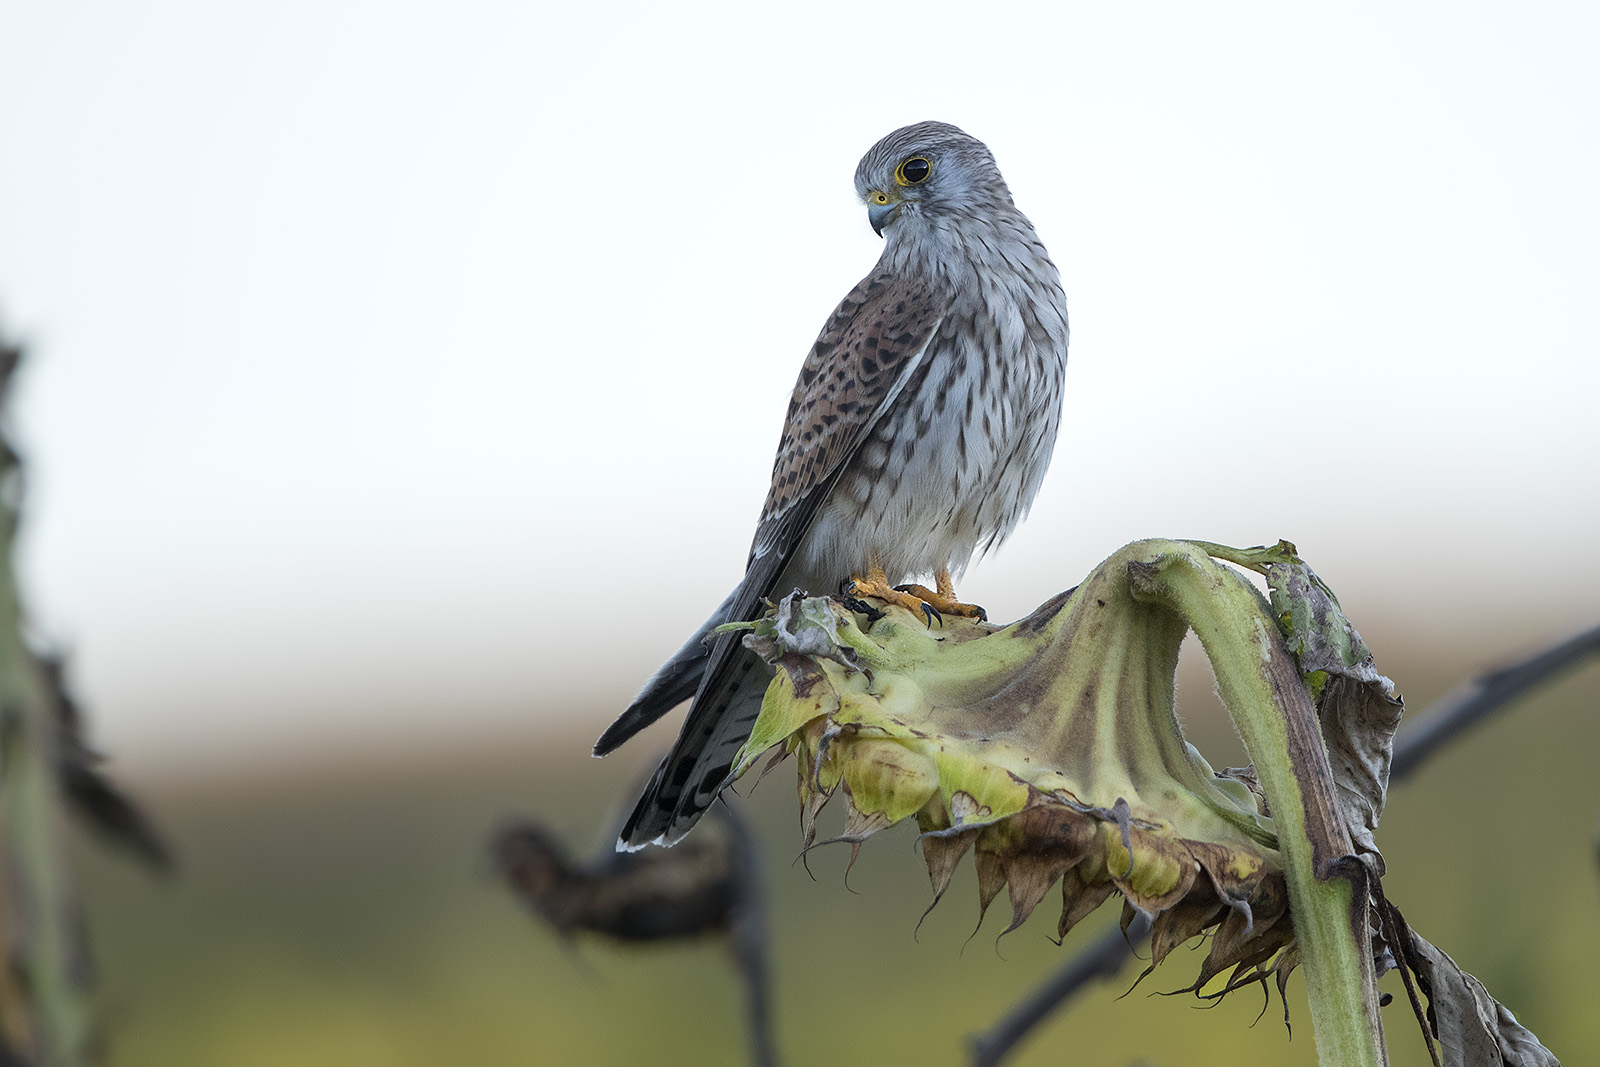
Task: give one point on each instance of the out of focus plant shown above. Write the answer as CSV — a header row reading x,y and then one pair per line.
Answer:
x,y
46,770
709,886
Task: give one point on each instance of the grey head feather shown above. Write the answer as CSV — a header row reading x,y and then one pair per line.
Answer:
x,y
959,226
964,181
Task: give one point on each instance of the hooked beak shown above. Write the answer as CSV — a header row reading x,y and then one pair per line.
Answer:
x,y
880,215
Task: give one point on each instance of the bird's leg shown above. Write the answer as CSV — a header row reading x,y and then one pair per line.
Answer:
x,y
943,599
876,585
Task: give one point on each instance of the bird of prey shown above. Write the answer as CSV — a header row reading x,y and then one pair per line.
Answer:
x,y
918,433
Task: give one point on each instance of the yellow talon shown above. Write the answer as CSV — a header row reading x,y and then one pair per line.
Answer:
x,y
943,599
931,604
876,585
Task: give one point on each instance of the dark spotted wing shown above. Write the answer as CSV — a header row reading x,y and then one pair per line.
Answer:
x,y
865,355
869,349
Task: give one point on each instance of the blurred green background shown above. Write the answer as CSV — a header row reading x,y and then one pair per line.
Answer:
x,y
344,912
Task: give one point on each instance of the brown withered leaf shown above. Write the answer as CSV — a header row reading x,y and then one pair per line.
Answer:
x,y
1245,940
1357,707
1081,894
1472,1028
942,850
1189,918
1035,847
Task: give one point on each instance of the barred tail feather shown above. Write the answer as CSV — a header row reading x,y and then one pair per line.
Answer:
x,y
732,682
700,763
676,681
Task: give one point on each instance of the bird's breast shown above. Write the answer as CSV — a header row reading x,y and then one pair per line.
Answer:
x,y
952,466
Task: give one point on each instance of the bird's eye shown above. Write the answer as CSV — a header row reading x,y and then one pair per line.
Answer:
x,y
913,171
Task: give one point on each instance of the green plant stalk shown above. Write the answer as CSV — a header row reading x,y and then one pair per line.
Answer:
x,y
31,818
1261,686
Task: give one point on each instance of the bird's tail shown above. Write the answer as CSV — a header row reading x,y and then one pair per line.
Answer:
x,y
728,681
700,763
675,682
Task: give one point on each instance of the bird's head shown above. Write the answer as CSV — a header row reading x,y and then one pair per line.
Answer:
x,y
919,174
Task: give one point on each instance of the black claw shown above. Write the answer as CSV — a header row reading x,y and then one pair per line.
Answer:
x,y
855,604
983,616
932,613
861,607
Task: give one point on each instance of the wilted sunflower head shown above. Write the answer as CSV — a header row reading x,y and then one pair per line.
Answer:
x,y
1049,748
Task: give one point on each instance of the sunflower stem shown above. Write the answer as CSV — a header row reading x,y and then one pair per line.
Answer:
x,y
1261,685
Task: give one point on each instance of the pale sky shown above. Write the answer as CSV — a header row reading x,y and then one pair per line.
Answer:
x,y
419,367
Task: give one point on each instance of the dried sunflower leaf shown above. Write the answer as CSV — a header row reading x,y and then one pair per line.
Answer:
x,y
1473,1029
1356,706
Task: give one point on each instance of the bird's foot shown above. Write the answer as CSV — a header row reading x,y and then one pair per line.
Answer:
x,y
944,602
860,607
877,587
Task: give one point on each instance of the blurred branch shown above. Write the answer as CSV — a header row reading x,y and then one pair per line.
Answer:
x,y
1474,700
747,929
1442,722
706,886
1101,960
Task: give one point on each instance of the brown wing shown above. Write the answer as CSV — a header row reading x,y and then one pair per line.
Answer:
x,y
867,351
850,377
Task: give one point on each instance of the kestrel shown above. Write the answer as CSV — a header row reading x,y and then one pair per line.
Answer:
x,y
918,433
